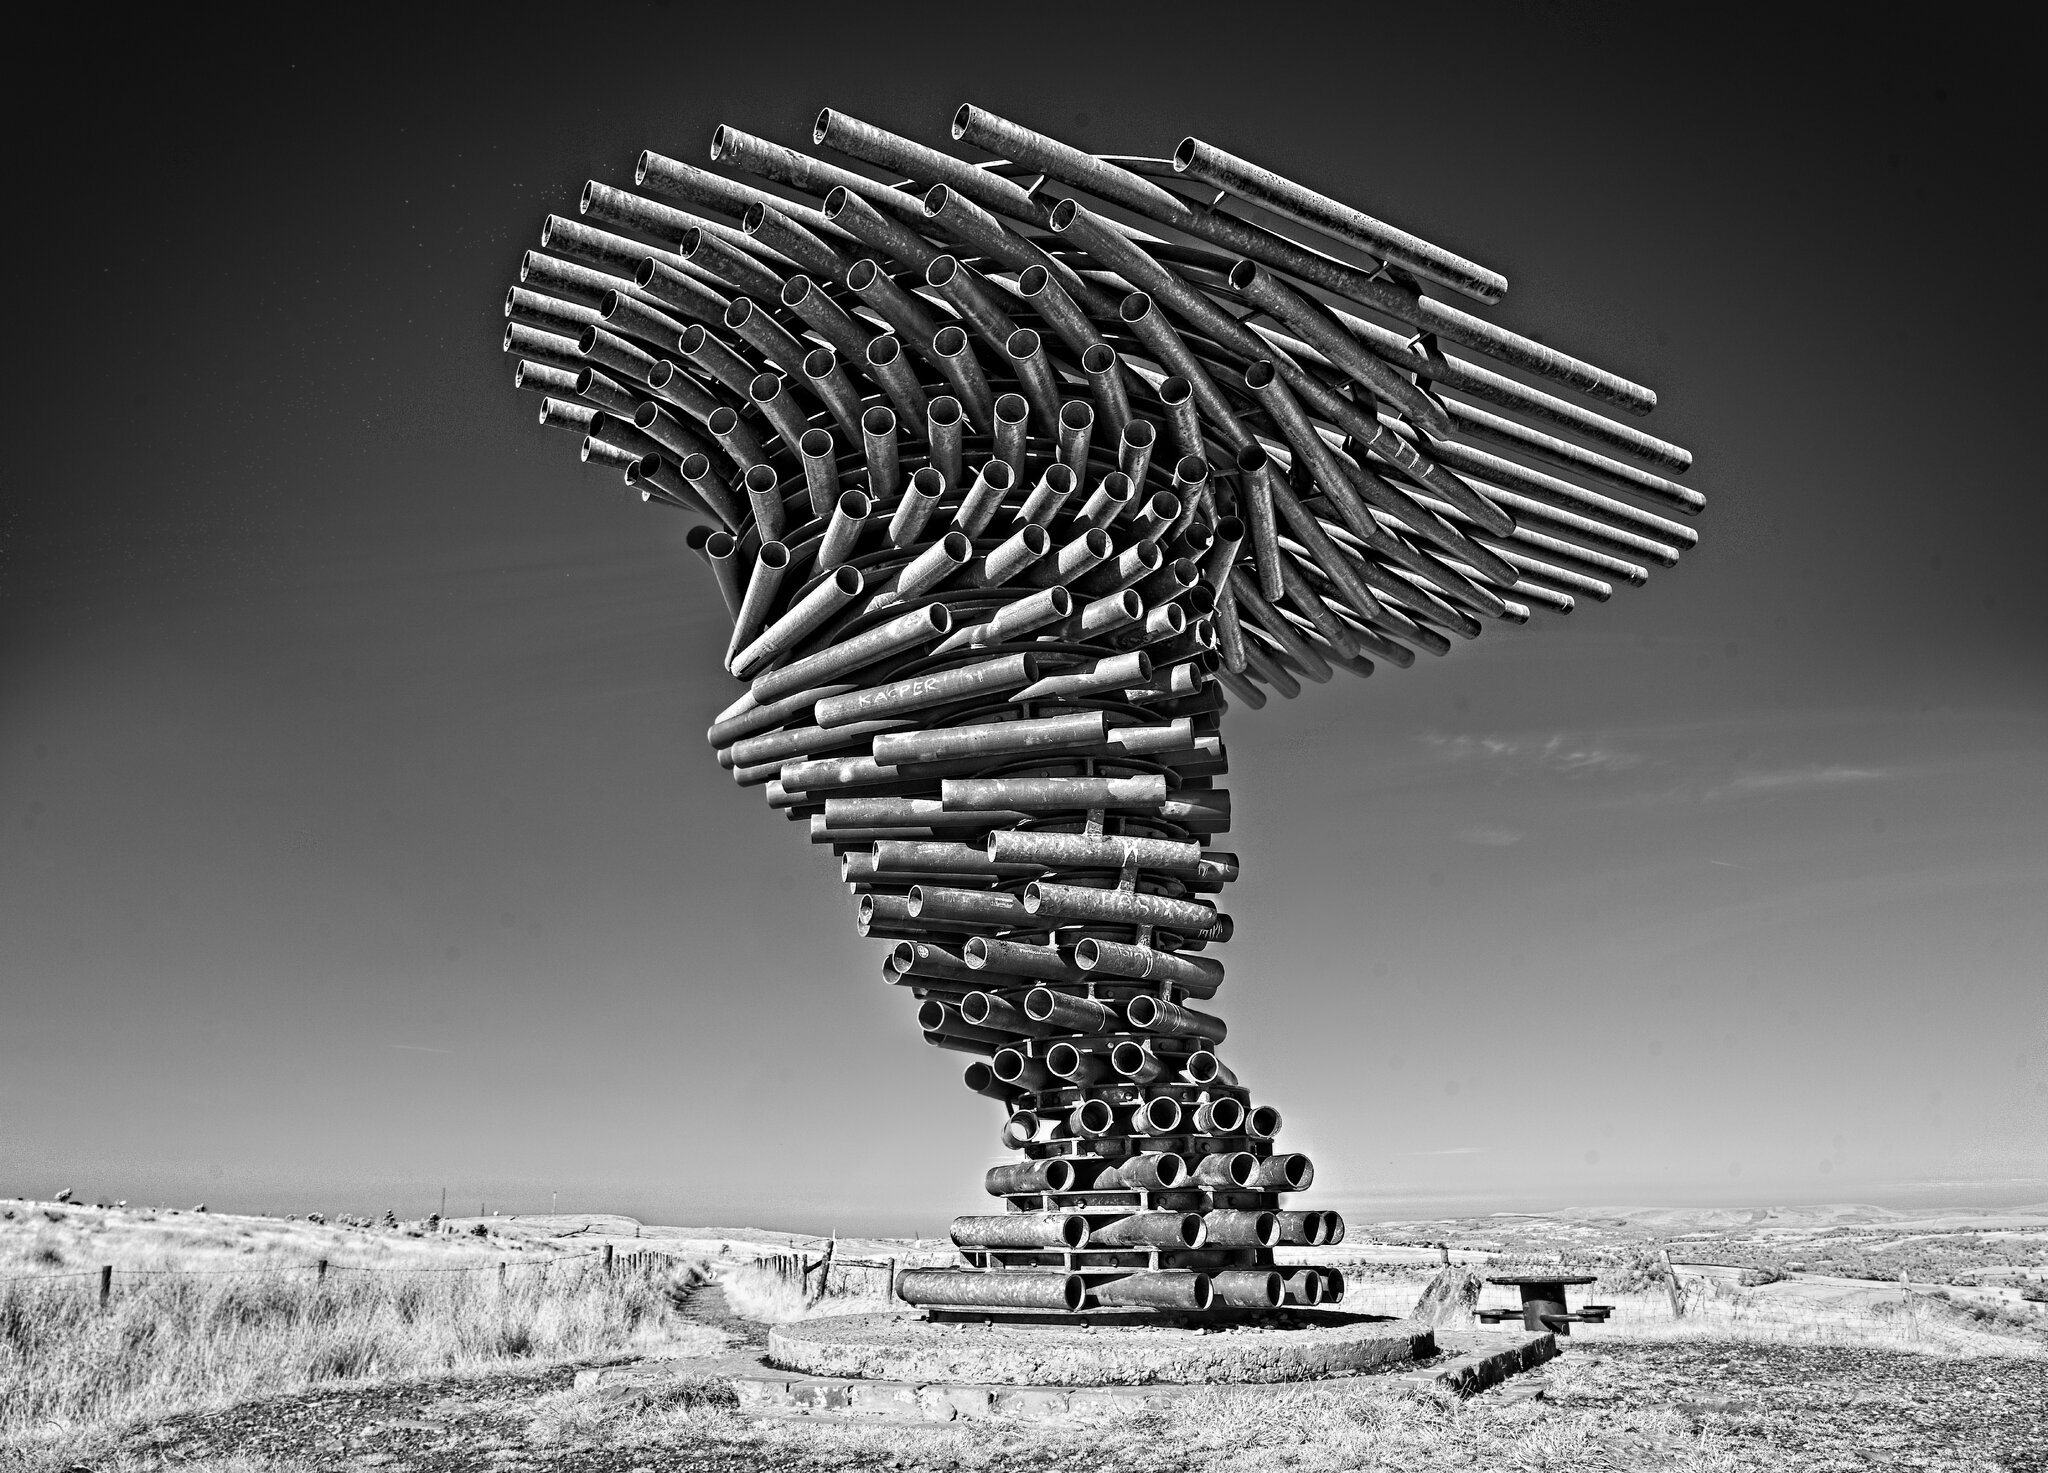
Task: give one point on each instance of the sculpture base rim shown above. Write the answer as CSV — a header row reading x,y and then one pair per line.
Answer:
x,y
1027,1351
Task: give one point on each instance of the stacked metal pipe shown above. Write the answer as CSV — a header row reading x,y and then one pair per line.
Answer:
x,y
1013,476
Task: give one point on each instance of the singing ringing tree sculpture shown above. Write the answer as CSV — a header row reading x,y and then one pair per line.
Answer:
x,y
1014,476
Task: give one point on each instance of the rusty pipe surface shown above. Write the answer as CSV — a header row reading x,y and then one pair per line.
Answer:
x,y
1126,907
1025,959
1033,611
1154,1015
1028,794
1101,616
879,451
547,347
968,293
887,366
986,1010
856,214
1172,1288
909,316
1305,1286
987,677
1034,1289
821,484
1134,449
945,426
983,499
777,226
1231,1170
711,355
1292,1172
736,438
743,272
1094,851
937,1016
1137,1062
950,212
1301,1229
1152,1230
981,1080
545,378
992,738
1011,413
1086,551
679,291
1151,1171
806,175
1076,426
832,593
1092,1120
1053,1174
745,317
883,640
1234,1228
1055,484
1262,1121
906,523
1110,499
769,393
1299,313
1028,361
1074,1014
676,387
1020,1230
1114,672
834,390
713,491
1248,1288
1105,374
1177,398
996,908
1075,1067
1270,191
676,439
953,353
935,565
826,318
1223,1115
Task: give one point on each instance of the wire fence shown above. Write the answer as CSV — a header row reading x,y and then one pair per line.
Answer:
x,y
640,1262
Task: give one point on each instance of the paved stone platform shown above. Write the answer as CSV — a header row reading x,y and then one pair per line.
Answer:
x,y
1286,1346
1463,1364
1470,1370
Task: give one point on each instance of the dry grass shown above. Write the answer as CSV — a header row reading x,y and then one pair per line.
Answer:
x,y
175,1337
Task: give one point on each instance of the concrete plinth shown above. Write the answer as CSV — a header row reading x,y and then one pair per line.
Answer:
x,y
907,1348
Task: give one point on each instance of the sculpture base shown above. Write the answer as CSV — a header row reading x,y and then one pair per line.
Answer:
x,y
1089,1350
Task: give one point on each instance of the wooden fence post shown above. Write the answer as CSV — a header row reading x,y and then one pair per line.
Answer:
x,y
106,1283
607,1258
320,1274
1671,1284
892,1280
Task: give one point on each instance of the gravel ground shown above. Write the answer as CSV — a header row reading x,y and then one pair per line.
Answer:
x,y
1689,1405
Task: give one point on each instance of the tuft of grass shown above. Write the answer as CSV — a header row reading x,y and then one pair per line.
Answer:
x,y
169,1342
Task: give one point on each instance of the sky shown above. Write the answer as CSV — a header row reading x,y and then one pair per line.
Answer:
x,y
358,841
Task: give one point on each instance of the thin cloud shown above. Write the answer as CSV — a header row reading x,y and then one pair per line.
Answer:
x,y
1560,752
420,1048
1795,779
1489,835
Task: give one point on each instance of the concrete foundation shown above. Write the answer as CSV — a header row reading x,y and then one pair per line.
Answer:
x,y
1298,1346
